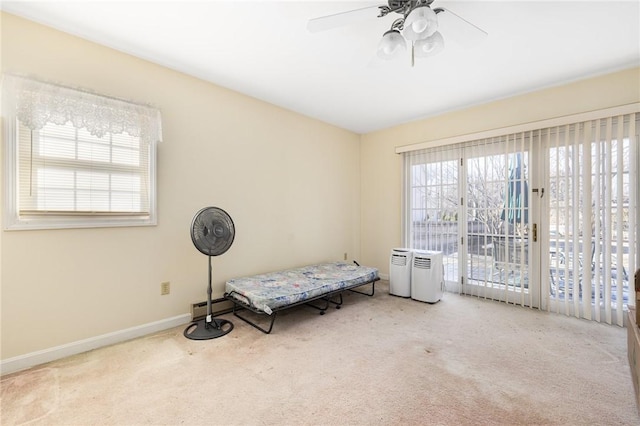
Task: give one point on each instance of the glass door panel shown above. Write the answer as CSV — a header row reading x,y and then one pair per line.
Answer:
x,y
433,201
497,211
591,207
544,218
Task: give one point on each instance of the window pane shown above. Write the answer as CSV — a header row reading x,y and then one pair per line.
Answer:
x,y
56,199
86,180
54,147
92,200
55,179
120,182
107,174
126,156
89,151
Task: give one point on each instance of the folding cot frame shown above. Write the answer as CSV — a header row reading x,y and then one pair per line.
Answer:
x,y
239,305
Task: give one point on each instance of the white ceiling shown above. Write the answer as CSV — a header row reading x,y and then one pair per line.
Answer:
x,y
263,49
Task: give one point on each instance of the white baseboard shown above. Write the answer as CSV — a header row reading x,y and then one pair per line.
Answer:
x,y
32,359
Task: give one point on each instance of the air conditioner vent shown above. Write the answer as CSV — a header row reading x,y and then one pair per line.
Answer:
x,y
398,260
422,262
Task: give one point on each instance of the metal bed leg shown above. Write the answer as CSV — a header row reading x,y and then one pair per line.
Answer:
x,y
373,290
338,304
253,324
321,309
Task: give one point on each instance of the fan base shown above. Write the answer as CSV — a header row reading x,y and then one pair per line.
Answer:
x,y
201,330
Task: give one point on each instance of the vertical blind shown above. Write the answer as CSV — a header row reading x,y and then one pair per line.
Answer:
x,y
586,197
498,255
470,201
592,209
432,194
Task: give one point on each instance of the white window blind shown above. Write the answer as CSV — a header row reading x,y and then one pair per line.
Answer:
x,y
432,196
67,170
592,209
578,182
76,159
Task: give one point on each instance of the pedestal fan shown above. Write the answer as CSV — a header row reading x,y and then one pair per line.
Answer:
x,y
212,232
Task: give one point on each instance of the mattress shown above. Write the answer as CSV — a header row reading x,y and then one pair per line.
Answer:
x,y
268,292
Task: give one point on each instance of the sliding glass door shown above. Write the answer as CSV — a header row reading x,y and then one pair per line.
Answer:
x,y
498,212
544,218
592,183
433,206
472,203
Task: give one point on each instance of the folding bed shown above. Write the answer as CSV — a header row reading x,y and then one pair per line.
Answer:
x,y
273,292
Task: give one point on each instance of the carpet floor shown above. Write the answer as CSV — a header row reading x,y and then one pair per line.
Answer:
x,y
379,360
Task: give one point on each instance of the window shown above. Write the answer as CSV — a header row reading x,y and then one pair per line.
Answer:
x,y
90,163
544,217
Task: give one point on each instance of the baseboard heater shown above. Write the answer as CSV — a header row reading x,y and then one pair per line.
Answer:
x,y
219,306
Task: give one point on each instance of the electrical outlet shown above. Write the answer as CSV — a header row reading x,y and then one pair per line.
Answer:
x,y
345,256
165,288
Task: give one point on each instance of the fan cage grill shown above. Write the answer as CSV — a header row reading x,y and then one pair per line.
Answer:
x,y
212,231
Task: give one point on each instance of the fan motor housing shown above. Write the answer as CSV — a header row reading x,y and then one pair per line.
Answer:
x,y
399,4
394,4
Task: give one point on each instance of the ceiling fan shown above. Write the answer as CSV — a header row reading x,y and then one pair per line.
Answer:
x,y
417,25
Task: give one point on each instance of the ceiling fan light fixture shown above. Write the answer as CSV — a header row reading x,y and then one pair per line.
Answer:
x,y
430,46
420,23
391,45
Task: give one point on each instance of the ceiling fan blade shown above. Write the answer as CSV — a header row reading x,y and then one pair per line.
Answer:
x,y
459,30
339,19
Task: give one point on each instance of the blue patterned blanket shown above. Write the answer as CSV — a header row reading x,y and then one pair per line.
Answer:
x,y
270,291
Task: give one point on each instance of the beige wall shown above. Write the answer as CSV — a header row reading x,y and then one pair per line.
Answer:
x,y
382,168
290,183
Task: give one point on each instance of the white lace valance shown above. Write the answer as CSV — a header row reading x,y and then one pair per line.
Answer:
x,y
38,103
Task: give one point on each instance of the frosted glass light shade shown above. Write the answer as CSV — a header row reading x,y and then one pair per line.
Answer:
x,y
391,45
429,46
421,23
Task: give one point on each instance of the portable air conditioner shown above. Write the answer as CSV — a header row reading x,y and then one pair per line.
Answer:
x,y
400,272
427,280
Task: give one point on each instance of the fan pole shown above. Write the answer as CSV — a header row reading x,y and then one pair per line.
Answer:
x,y
209,293
208,328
